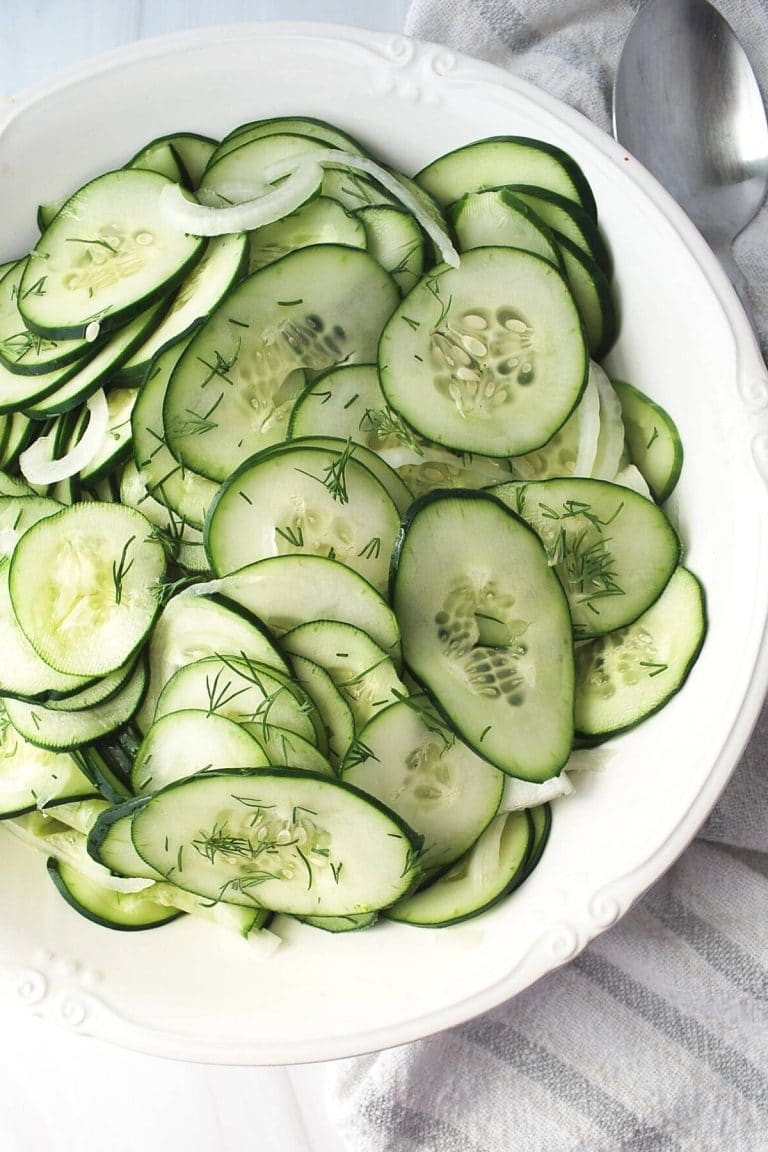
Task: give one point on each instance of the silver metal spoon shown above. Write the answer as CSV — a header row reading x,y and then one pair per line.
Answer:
x,y
687,105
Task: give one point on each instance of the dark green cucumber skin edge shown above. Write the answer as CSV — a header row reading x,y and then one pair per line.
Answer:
x,y
521,875
541,833
332,924
75,798
579,180
468,494
604,293
53,871
415,841
593,740
135,377
583,219
104,822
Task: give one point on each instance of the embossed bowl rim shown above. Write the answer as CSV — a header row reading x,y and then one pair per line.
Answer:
x,y
684,338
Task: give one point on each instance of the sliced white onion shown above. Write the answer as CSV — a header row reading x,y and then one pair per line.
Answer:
x,y
527,794
9,538
301,176
36,464
589,429
333,157
302,180
610,442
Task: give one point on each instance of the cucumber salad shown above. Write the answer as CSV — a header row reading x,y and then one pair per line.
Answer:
x,y
326,543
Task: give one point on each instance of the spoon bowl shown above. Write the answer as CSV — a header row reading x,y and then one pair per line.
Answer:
x,y
686,103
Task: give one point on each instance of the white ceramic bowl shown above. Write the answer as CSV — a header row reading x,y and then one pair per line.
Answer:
x,y
189,991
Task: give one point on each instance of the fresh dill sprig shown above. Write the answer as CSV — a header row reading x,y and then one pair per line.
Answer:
x,y
121,568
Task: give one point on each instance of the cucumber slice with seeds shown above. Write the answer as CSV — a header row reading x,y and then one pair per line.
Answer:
x,y
233,389
315,835
488,357
486,630
625,676
413,763
105,257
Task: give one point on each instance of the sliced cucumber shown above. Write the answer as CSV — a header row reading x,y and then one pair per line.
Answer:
x,y
116,445
395,239
284,591
613,550
191,627
84,586
234,174
501,160
486,630
397,489
411,761
363,673
592,292
625,676
319,221
488,357
23,672
62,730
498,217
566,218
183,542
183,743
125,911
222,264
331,704
654,441
26,352
303,500
77,387
288,841
489,870
317,130
31,777
232,391
244,691
105,257
186,495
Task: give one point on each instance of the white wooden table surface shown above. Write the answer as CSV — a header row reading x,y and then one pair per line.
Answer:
x,y
60,1092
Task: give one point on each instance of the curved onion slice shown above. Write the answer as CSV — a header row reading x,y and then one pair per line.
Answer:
x,y
302,178
335,158
36,465
589,429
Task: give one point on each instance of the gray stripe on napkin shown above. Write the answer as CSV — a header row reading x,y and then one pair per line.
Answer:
x,y
407,1128
732,1066
721,953
533,1060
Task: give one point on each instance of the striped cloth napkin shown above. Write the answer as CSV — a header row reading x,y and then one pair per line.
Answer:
x,y
655,1039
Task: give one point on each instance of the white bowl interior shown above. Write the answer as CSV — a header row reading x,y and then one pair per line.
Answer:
x,y
191,991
